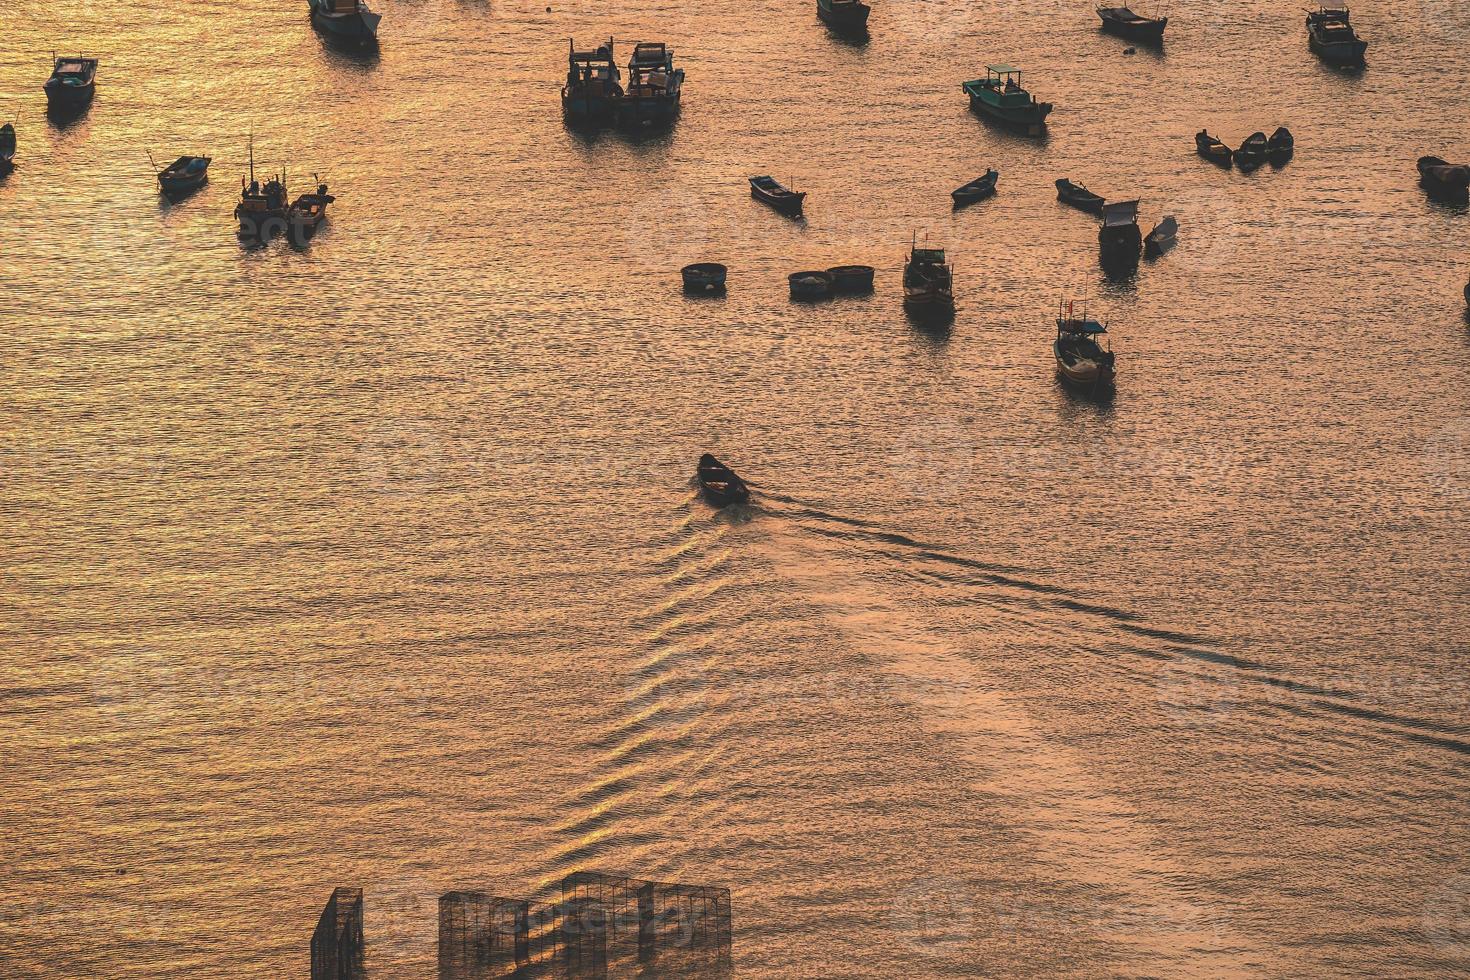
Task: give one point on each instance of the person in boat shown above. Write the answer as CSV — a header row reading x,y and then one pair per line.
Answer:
x,y
1011,85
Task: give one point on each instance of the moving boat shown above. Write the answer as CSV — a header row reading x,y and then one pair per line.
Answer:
x,y
811,285
980,187
592,90
1000,96
184,174
844,15
1080,358
72,84
1211,148
1125,23
1078,196
349,19
704,277
7,148
928,281
851,278
1451,176
1331,35
1119,233
261,210
654,85
1162,238
720,484
765,188
1253,152
1281,144
308,211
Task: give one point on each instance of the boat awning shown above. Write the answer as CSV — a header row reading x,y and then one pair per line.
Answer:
x,y
1002,69
1083,326
1121,213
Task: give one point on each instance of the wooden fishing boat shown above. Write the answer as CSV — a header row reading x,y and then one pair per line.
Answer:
x,y
7,148
765,188
1164,237
351,20
1080,358
720,484
704,277
1281,144
1212,149
1125,23
184,174
1119,234
1330,34
1078,196
592,91
72,84
844,15
975,190
307,212
1467,294
1441,173
654,86
851,278
999,95
928,281
1253,152
261,210
815,284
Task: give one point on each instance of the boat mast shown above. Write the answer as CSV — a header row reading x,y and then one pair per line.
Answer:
x,y
252,156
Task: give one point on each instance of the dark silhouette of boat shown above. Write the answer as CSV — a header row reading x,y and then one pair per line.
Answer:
x,y
72,84
704,277
1000,96
851,278
767,189
977,189
1162,238
1080,358
1330,34
308,211
1078,196
7,148
814,284
350,20
592,91
1281,144
654,86
844,15
719,483
1211,148
928,281
1444,175
1119,234
1253,152
184,174
261,210
1125,23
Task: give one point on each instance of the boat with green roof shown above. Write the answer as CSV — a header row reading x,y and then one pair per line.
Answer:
x,y
1000,96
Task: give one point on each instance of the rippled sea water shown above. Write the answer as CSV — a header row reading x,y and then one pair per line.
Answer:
x,y
377,562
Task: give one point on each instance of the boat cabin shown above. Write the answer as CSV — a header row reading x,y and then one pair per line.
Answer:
x,y
1005,81
927,256
584,67
1120,215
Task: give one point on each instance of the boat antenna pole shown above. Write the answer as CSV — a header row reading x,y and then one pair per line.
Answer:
x,y
252,155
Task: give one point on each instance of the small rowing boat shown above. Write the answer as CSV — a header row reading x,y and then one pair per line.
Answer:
x,y
720,484
767,189
1451,176
975,190
1253,152
1281,144
351,20
307,212
1078,196
7,148
1211,148
1125,23
183,175
1162,238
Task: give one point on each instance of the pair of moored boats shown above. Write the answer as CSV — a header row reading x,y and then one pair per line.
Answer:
x,y
1256,150
594,92
820,284
265,209
1331,35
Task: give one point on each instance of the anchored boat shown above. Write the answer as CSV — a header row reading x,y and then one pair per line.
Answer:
x,y
1000,96
352,20
1281,144
851,278
1330,33
72,84
261,210
704,277
1119,235
767,189
1080,358
1444,175
183,175
980,187
1164,237
592,90
1211,149
1125,23
1078,196
7,148
1253,152
654,85
928,281
307,212
814,284
844,15
720,484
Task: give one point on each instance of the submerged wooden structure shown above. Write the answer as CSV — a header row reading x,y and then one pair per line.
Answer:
x,y
601,924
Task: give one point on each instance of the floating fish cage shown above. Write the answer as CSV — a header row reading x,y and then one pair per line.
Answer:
x,y
852,278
